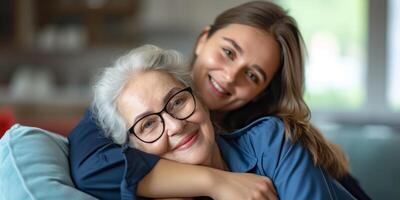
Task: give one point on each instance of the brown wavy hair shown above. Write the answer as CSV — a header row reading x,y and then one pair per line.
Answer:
x,y
284,95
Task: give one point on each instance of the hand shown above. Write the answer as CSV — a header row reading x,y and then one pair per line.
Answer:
x,y
242,186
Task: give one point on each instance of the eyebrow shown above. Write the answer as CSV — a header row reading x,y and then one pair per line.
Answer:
x,y
170,93
260,70
234,44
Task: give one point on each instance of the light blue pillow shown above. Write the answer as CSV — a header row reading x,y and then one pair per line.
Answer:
x,y
34,165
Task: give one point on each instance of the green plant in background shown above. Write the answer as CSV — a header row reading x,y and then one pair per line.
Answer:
x,y
332,98
347,19
396,106
347,22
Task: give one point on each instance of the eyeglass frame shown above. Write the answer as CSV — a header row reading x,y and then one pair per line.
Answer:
x,y
187,89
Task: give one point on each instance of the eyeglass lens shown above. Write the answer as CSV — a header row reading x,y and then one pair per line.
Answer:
x,y
151,127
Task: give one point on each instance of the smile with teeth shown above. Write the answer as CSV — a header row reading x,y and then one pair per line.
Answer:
x,y
218,87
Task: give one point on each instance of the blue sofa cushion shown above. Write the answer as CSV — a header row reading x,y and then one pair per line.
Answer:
x,y
34,165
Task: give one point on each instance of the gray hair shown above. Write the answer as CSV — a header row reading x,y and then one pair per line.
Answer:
x,y
113,79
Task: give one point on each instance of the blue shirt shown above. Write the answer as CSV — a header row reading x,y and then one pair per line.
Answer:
x,y
98,165
262,148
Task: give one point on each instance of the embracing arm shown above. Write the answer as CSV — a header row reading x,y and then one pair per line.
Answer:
x,y
98,168
96,163
171,179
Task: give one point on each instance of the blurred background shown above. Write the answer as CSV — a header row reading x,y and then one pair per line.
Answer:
x,y
52,51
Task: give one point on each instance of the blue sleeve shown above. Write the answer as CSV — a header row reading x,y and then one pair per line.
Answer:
x,y
291,167
97,164
130,178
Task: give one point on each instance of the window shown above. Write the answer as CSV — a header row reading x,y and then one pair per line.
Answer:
x,y
393,55
335,33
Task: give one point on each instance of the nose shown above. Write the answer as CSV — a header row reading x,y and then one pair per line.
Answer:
x,y
231,73
172,126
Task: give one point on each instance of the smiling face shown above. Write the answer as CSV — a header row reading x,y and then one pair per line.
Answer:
x,y
190,140
234,65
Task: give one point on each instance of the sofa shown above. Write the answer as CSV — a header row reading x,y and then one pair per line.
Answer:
x,y
34,162
373,152
34,165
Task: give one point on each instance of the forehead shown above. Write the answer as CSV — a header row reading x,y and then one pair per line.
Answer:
x,y
146,90
243,31
247,36
152,81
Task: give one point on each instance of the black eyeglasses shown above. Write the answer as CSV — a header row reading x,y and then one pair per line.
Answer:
x,y
150,128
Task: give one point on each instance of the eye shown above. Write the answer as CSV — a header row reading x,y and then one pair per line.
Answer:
x,y
148,124
177,103
252,76
229,53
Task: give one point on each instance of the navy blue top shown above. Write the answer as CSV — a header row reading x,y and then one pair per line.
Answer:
x,y
98,165
261,148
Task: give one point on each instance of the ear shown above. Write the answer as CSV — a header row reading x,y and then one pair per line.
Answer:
x,y
202,39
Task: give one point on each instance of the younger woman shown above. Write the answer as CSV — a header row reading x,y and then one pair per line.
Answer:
x,y
248,64
147,95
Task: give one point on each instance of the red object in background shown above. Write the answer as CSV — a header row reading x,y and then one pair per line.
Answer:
x,y
7,119
55,124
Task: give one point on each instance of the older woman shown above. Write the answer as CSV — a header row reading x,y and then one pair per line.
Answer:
x,y
145,101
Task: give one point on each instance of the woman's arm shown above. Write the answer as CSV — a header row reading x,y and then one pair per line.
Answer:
x,y
95,162
170,179
98,168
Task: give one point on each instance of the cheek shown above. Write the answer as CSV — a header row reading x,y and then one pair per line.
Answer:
x,y
210,60
206,124
209,133
246,92
244,95
159,147
201,115
249,91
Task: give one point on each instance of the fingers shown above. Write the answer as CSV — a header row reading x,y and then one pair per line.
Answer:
x,y
268,189
244,186
271,186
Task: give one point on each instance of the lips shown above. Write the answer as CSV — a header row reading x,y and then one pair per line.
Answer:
x,y
217,88
187,141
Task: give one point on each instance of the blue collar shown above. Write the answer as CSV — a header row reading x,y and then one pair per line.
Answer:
x,y
237,155
237,159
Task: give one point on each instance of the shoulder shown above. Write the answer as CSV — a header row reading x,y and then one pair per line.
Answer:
x,y
287,163
270,123
265,130
265,140
86,139
86,125
263,136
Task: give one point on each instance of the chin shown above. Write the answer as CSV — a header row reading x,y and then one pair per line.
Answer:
x,y
210,102
195,158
